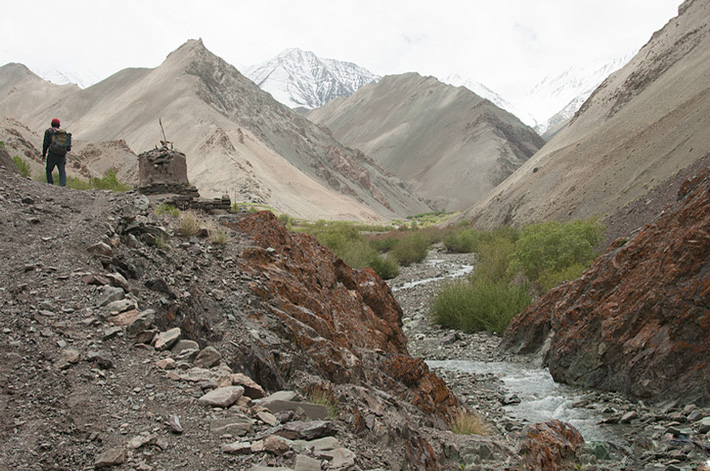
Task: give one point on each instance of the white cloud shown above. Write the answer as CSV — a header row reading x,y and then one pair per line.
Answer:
x,y
506,44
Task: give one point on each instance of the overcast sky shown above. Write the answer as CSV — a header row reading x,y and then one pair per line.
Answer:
x,y
508,45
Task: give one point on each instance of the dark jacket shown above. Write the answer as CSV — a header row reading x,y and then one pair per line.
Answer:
x,y
48,140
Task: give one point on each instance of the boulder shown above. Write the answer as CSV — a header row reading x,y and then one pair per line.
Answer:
x,y
549,446
222,397
207,358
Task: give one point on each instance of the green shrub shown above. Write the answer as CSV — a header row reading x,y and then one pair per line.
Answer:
x,y
553,247
166,209
551,278
22,166
108,182
386,267
494,258
477,305
219,237
412,248
356,253
461,241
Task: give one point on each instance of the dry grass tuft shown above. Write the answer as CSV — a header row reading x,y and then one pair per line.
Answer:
x,y
470,423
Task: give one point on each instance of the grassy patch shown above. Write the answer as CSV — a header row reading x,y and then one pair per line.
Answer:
x,y
22,166
512,267
167,210
189,224
480,304
550,253
470,423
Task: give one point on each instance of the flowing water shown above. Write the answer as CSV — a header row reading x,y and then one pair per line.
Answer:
x,y
541,398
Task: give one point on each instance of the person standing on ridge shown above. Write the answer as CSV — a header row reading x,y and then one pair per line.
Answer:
x,y
57,142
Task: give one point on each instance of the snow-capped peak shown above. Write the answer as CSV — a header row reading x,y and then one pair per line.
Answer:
x,y
484,92
83,79
299,78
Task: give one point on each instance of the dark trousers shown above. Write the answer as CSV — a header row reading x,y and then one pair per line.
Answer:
x,y
60,162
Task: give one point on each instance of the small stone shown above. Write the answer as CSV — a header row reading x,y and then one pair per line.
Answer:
x,y
166,364
237,448
140,441
207,358
102,359
118,280
236,425
306,463
276,445
628,417
102,249
165,340
111,457
267,417
175,425
341,458
121,305
141,323
222,397
184,344
111,332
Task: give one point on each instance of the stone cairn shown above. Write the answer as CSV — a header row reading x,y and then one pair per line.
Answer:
x,y
162,174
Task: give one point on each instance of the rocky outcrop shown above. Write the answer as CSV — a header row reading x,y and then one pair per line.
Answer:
x,y
637,321
343,323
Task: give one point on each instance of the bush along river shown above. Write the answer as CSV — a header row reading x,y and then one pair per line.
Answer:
x,y
512,391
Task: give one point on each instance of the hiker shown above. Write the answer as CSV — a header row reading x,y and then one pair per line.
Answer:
x,y
57,142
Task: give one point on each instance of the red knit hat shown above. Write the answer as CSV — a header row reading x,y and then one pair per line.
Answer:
x,y
55,123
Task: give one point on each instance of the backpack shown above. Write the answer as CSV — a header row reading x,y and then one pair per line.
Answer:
x,y
60,143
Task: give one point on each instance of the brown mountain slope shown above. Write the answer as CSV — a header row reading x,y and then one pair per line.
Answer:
x,y
642,125
451,145
238,140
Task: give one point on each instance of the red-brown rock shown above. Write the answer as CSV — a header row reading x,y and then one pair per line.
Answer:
x,y
549,446
344,320
637,321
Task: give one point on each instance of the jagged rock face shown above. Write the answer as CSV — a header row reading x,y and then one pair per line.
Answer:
x,y
344,323
637,321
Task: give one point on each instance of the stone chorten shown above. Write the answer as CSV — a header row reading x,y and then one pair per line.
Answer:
x,y
162,174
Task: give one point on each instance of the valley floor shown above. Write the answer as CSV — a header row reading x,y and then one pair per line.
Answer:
x,y
621,434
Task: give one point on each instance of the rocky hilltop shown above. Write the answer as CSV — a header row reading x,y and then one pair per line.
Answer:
x,y
643,124
449,144
115,350
238,139
638,320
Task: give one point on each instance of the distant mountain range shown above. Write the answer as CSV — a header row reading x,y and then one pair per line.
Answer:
x,y
237,138
449,144
300,79
303,81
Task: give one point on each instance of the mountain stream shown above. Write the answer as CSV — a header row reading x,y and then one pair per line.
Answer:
x,y
528,393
